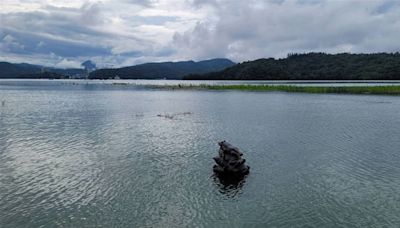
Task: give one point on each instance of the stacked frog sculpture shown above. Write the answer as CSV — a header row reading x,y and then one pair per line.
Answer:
x,y
230,163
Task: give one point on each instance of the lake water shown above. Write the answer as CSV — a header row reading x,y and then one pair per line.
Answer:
x,y
83,154
140,83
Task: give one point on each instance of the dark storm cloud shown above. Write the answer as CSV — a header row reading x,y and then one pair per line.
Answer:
x,y
65,32
35,44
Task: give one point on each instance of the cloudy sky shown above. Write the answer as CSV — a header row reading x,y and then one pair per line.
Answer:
x,y
64,33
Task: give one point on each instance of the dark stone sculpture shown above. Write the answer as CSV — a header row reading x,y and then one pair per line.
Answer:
x,y
230,163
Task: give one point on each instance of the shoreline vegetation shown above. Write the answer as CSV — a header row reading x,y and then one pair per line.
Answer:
x,y
382,90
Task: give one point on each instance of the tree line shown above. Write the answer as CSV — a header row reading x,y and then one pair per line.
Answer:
x,y
312,66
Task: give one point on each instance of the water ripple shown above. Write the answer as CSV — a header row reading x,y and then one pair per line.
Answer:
x,y
86,157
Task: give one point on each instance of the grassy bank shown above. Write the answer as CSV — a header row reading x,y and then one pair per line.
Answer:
x,y
390,90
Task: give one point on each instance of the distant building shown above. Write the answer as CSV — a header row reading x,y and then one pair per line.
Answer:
x,y
78,76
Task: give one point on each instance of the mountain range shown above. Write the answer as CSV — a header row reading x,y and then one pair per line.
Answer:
x,y
309,66
24,70
167,70
163,70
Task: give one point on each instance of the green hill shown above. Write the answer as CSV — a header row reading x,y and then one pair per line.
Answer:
x,y
312,66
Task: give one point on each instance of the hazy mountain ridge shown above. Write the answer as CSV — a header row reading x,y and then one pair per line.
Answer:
x,y
25,70
168,70
11,70
312,66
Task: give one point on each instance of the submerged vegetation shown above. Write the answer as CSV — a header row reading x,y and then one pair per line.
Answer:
x,y
389,89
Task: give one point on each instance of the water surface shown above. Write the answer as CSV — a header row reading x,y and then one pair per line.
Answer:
x,y
87,155
140,83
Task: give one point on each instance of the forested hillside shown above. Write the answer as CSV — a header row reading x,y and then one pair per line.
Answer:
x,y
312,66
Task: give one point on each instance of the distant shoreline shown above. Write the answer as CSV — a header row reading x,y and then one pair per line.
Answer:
x,y
379,87
378,90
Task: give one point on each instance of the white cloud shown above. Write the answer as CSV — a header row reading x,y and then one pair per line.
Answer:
x,y
40,44
68,63
133,31
9,43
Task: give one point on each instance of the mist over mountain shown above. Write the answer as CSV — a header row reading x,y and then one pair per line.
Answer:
x,y
167,70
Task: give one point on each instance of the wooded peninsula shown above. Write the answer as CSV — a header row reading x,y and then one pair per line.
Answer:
x,y
312,66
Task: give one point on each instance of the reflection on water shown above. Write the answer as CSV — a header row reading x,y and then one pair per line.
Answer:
x,y
139,83
88,155
230,187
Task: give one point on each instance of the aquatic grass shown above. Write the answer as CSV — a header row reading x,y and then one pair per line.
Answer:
x,y
387,89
